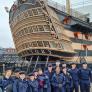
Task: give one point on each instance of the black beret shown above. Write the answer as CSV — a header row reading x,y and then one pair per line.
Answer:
x,y
49,65
31,74
84,63
22,72
17,70
72,63
8,68
64,68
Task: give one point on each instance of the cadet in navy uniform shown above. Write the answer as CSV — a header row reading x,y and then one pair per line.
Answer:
x,y
35,74
85,77
57,80
16,78
57,63
22,84
67,80
74,74
33,84
64,65
43,81
16,73
6,82
50,73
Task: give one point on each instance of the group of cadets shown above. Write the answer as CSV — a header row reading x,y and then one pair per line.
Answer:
x,y
59,79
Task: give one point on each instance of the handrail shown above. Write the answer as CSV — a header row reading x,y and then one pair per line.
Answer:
x,y
62,8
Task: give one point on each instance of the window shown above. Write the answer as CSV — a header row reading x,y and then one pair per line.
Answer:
x,y
26,45
30,13
18,17
34,44
40,11
25,14
16,34
30,45
19,33
40,27
66,45
23,46
35,11
35,29
30,29
58,45
21,16
40,44
53,44
61,46
46,44
46,27
22,32
25,30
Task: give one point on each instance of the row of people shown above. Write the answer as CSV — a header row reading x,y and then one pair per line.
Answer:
x,y
60,79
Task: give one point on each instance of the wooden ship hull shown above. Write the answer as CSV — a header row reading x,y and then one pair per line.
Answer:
x,y
39,33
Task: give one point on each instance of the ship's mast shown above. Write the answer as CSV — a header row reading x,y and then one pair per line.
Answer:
x,y
68,7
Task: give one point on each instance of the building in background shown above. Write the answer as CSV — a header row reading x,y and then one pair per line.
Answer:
x,y
9,58
8,55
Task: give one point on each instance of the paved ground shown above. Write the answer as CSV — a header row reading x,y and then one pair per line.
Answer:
x,y
91,88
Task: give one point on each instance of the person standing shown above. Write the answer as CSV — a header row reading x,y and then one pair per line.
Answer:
x,y
33,83
49,72
22,84
15,78
43,81
74,74
57,80
85,77
6,83
67,80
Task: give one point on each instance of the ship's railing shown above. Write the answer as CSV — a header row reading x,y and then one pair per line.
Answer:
x,y
62,8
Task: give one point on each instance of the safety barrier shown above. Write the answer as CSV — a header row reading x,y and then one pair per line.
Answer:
x,y
62,8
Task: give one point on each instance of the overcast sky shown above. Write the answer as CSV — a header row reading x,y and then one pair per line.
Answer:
x,y
6,40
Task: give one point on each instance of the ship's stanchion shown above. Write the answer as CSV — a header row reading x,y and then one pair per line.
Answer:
x,y
47,62
29,64
36,63
23,63
3,68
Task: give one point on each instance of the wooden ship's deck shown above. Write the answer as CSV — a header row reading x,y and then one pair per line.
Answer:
x,y
43,32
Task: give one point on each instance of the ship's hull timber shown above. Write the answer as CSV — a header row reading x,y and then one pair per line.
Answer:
x,y
37,31
40,30
78,28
